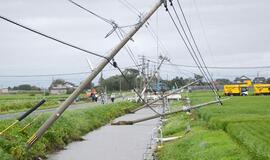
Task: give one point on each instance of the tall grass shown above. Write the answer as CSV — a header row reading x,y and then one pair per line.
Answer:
x,y
71,126
23,101
241,124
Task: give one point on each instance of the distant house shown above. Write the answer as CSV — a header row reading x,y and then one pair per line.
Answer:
x,y
4,90
259,80
62,88
242,79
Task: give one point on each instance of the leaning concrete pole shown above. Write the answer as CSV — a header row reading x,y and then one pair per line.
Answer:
x,y
89,79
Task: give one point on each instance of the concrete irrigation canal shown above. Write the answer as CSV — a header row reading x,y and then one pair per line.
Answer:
x,y
113,142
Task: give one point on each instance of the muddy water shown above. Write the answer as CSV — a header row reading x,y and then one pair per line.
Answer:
x,y
112,142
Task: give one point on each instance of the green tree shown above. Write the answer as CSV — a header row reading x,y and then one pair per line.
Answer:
x,y
113,83
197,76
57,82
223,81
268,80
26,87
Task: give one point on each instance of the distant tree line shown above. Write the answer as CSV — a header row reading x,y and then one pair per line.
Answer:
x,y
117,82
25,87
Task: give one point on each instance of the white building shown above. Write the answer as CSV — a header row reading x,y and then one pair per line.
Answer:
x,y
4,90
62,88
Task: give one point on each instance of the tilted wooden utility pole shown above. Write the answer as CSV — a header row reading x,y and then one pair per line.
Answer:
x,y
90,78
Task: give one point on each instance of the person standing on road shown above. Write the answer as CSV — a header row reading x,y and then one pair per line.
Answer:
x,y
112,97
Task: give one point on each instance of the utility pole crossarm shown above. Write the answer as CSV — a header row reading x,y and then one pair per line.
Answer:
x,y
89,79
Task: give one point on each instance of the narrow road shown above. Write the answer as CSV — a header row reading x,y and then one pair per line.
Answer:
x,y
72,107
113,142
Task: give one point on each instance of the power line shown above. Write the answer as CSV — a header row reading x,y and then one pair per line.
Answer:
x,y
216,67
115,28
191,46
52,38
206,73
58,74
201,69
222,67
87,10
43,75
111,22
178,30
137,93
203,29
128,50
156,38
195,43
131,7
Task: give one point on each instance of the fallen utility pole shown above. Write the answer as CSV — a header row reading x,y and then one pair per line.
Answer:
x,y
165,114
90,78
164,96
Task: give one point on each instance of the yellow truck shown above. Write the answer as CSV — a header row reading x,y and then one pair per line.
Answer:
x,y
241,89
236,90
261,89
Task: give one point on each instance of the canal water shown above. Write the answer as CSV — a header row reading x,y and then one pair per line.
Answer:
x,y
113,142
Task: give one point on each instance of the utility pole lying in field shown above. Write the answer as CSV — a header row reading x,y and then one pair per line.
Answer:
x,y
164,114
90,78
164,96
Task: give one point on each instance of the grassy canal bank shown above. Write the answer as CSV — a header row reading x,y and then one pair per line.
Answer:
x,y
70,127
237,130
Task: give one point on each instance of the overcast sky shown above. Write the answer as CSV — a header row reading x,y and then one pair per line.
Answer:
x,y
228,32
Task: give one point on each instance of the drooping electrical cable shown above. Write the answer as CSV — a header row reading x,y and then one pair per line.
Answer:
x,y
205,74
116,28
222,67
195,43
217,67
189,50
128,49
130,7
51,38
203,30
156,38
162,47
129,83
179,70
59,74
120,35
111,22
